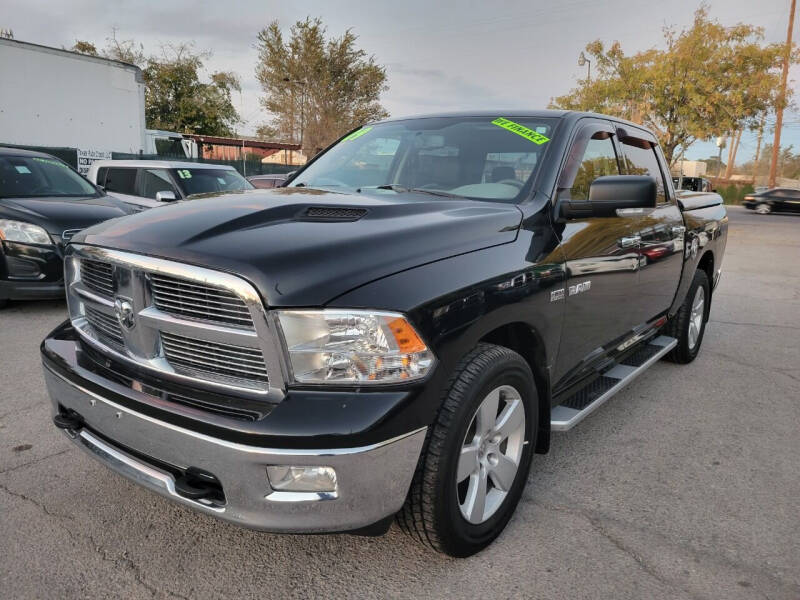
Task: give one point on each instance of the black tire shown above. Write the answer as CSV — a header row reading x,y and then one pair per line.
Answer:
x,y
763,208
678,326
3,303
431,513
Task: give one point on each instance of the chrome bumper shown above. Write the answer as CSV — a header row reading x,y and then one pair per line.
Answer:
x,y
372,481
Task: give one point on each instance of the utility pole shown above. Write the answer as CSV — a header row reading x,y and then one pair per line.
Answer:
x,y
776,144
758,149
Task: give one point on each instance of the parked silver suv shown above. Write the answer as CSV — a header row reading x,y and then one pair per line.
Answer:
x,y
150,183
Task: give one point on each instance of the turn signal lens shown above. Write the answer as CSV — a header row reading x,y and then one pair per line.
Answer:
x,y
353,346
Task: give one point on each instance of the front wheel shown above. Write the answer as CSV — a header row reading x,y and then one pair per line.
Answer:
x,y
477,454
689,324
763,209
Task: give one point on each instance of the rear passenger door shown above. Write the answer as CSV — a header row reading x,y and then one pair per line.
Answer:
x,y
120,182
660,231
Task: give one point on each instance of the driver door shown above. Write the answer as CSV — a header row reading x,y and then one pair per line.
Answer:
x,y
601,258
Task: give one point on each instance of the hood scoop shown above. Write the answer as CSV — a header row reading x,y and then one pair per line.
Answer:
x,y
332,214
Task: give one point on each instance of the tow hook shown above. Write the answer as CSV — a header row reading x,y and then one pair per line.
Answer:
x,y
198,485
69,420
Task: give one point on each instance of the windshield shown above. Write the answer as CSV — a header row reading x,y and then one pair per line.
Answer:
x,y
476,157
206,181
33,177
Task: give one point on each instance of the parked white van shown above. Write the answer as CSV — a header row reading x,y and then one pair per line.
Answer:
x,y
150,183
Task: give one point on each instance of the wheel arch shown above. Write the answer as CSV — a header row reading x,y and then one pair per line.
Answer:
x,y
523,339
706,264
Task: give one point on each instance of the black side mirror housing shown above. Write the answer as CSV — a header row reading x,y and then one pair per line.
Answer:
x,y
611,193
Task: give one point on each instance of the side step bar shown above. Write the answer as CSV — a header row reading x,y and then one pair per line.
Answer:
x,y
584,402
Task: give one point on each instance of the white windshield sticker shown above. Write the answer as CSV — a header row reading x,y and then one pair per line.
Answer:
x,y
22,169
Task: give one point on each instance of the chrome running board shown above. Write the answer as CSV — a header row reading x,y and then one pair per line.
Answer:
x,y
584,402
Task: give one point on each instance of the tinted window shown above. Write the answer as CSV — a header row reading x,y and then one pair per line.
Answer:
x,y
640,159
598,160
264,184
32,177
153,181
206,181
122,181
509,166
474,157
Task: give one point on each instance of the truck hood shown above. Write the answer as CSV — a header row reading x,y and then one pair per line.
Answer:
x,y
58,214
304,247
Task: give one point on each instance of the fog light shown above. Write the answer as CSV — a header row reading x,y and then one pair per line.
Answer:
x,y
302,479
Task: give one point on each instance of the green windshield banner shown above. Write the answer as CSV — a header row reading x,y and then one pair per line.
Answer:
x,y
356,134
526,132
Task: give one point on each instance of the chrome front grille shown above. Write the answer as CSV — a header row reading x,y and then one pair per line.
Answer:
x,y
106,326
199,301
192,355
175,321
98,277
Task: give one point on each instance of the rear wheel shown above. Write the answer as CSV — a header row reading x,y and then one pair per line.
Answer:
x,y
476,456
763,209
3,303
689,324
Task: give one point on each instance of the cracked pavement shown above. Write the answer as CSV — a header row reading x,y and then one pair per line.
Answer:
x,y
685,485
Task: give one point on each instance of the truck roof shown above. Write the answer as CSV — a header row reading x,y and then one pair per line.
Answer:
x,y
518,112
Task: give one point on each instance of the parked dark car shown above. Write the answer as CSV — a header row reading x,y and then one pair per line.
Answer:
x,y
266,182
774,200
395,333
43,203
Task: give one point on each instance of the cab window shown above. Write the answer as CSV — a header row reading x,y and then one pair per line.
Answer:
x,y
153,181
122,181
640,159
597,160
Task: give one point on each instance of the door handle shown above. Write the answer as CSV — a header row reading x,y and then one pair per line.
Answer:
x,y
678,230
630,241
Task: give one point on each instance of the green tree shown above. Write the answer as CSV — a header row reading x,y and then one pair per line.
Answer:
x,y
709,80
176,99
83,47
317,88
127,51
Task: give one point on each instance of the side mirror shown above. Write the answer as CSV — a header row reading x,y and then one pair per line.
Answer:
x,y
609,194
166,196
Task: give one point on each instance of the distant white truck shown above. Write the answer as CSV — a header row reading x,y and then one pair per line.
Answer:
x,y
98,107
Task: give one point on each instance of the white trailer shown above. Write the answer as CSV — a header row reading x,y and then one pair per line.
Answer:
x,y
53,97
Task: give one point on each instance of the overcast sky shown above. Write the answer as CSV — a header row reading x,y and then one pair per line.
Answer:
x,y
439,55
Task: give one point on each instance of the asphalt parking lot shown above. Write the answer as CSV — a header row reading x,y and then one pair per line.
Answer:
x,y
685,485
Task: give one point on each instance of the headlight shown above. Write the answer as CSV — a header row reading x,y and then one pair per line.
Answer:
x,y
18,231
353,346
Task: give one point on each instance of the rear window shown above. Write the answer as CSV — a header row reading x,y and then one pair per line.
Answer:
x,y
122,181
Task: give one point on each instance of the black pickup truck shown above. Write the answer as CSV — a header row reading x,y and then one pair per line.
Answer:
x,y
394,333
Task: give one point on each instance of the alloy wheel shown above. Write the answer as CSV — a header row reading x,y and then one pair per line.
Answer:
x,y
696,317
490,454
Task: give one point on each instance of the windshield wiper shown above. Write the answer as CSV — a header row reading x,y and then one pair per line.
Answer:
x,y
387,186
435,193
